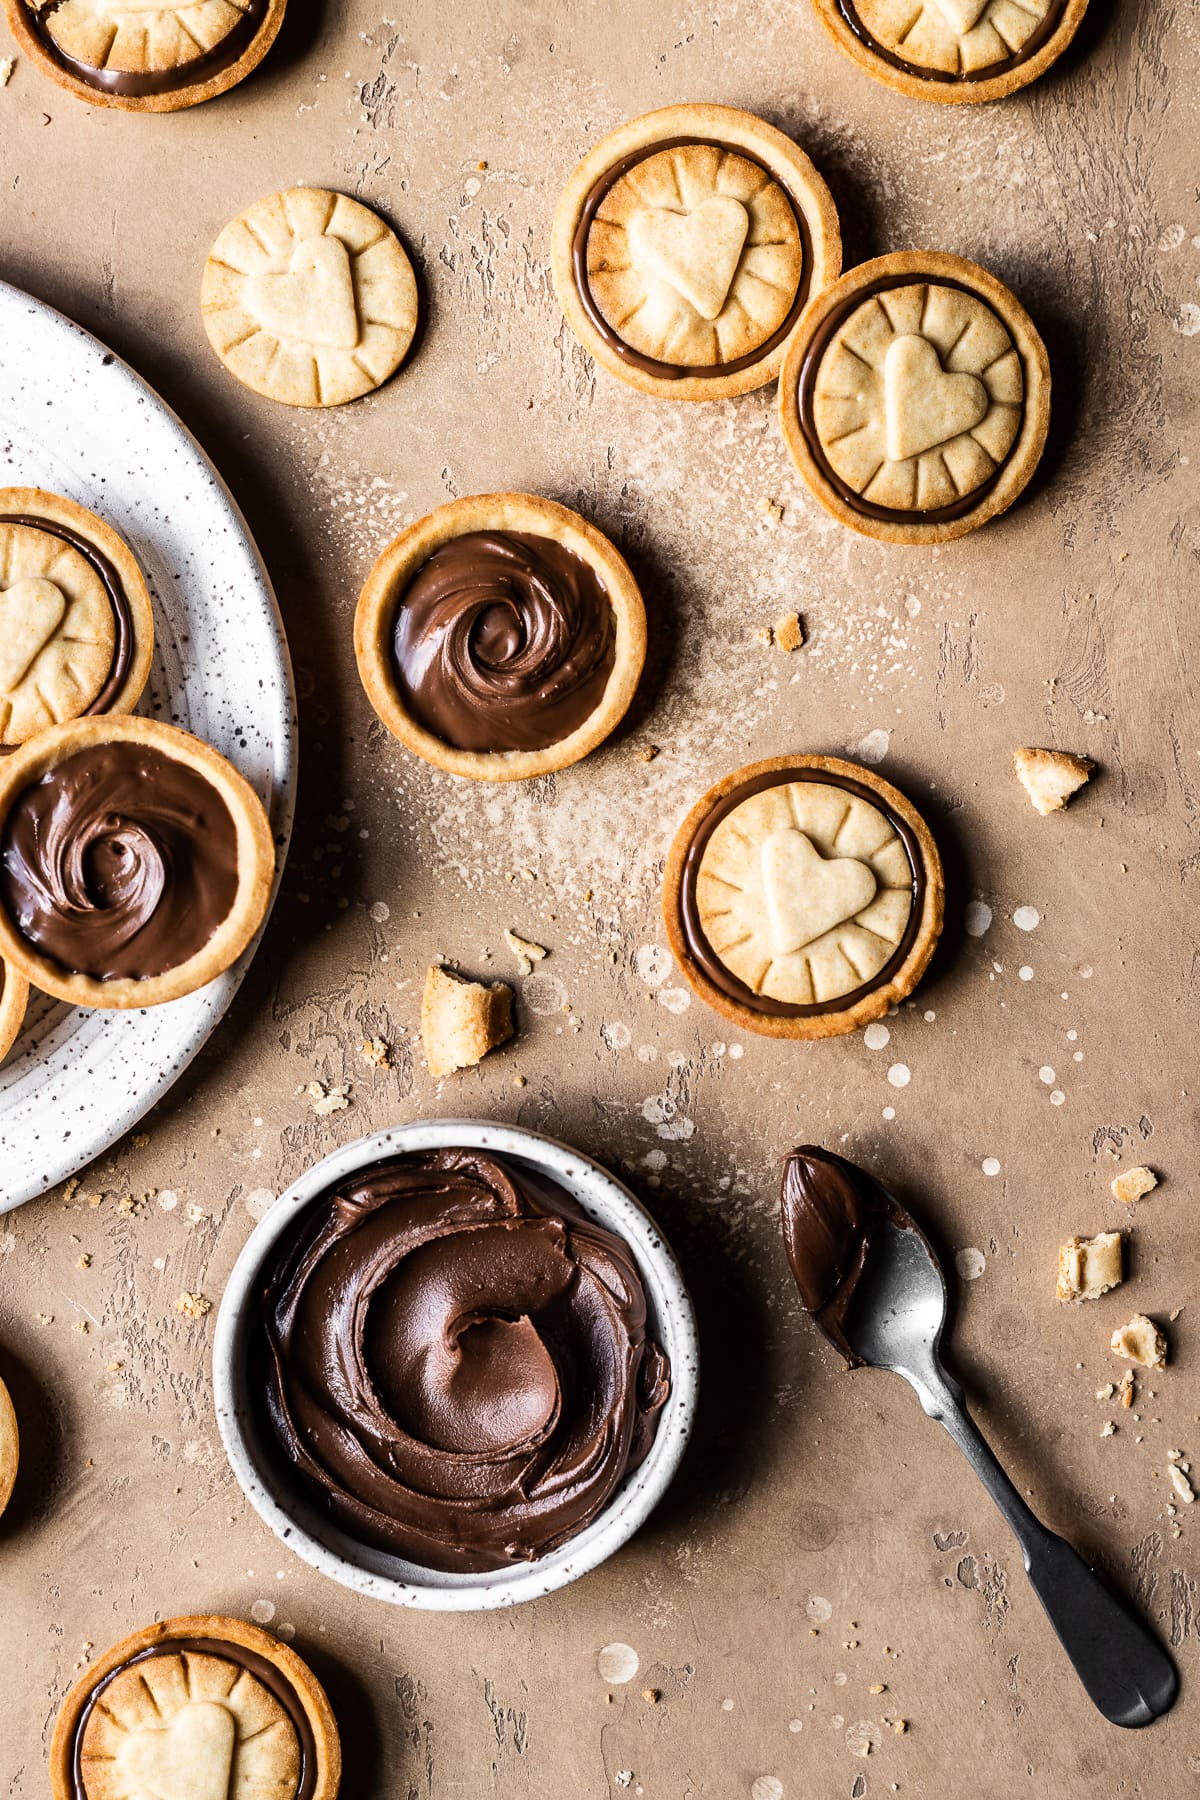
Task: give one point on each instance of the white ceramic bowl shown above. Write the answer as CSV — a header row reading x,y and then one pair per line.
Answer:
x,y
309,1532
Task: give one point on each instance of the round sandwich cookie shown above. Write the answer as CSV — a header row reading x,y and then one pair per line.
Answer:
x,y
141,56
685,247
915,397
501,637
308,298
136,863
803,897
14,998
953,50
199,1706
76,625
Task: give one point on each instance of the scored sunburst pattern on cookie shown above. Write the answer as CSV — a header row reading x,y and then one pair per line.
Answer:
x,y
189,1727
309,299
804,892
139,36
952,37
918,397
57,632
694,256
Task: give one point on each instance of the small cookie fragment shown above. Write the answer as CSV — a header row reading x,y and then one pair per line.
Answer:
x,y
1050,777
1132,1184
1089,1267
789,632
1141,1342
193,1306
462,1020
525,952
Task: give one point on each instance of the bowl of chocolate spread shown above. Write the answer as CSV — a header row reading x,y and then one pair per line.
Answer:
x,y
455,1366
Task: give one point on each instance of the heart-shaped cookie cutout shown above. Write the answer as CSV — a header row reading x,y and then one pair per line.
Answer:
x,y
961,15
31,611
189,1759
924,405
697,253
808,894
312,300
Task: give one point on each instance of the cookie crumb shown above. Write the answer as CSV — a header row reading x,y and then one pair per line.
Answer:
x,y
193,1306
85,1261
1132,1184
789,632
525,952
765,634
1142,1342
462,1020
375,1053
520,1081
1108,1429
878,1687
7,65
900,1727
771,509
646,754
95,1200
651,1696
328,1097
1181,1484
70,1189
1106,1392
44,1318
1089,1267
1050,777
140,1140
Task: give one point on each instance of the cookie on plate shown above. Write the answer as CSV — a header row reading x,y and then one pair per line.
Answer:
x,y
685,247
803,897
14,998
309,299
500,637
953,50
915,397
143,57
202,1706
136,863
76,624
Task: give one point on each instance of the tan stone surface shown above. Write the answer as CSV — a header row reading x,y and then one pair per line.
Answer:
x,y
814,1501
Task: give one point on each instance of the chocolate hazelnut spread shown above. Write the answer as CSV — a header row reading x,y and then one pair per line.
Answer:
x,y
111,582
831,1211
669,371
263,1670
702,951
454,1361
119,861
809,370
137,83
1033,43
503,640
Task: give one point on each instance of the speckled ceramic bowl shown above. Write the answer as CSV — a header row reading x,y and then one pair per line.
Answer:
x,y
308,1531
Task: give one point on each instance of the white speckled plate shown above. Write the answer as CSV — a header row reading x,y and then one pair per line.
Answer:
x,y
74,418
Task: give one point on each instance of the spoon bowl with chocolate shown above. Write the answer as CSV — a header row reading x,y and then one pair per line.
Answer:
x,y
872,1283
455,1366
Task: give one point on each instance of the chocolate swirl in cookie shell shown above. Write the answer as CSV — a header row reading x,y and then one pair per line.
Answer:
x,y
455,1361
141,83
702,952
111,582
119,862
503,640
1026,51
263,1670
649,365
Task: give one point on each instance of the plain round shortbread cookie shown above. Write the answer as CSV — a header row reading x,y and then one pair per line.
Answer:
x,y
309,299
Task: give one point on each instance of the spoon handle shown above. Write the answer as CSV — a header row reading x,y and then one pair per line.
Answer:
x,y
1125,1670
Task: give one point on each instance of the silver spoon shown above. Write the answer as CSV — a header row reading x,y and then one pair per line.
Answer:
x,y
871,1280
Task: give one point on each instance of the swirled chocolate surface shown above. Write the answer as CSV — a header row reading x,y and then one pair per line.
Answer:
x,y
831,1211
455,1361
242,1657
119,862
111,583
1040,36
503,640
140,83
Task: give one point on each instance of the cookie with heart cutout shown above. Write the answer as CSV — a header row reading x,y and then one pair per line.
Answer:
x,y
955,51
196,1708
142,56
76,623
309,299
136,863
803,897
915,397
685,247
14,998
